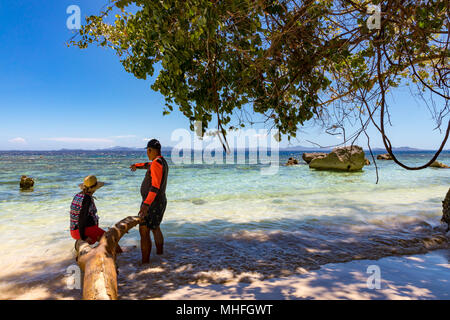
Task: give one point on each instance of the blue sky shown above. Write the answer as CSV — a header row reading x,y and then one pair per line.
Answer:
x,y
53,97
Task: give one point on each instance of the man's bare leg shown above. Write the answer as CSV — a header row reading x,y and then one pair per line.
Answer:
x,y
159,240
146,243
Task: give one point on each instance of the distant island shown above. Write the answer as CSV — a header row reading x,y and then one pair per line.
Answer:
x,y
168,149
302,148
293,148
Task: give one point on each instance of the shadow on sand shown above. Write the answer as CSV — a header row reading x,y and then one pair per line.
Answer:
x,y
239,259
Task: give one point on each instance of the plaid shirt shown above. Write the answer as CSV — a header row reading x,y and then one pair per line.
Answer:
x,y
75,209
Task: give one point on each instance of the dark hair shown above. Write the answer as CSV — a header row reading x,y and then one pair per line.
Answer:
x,y
154,144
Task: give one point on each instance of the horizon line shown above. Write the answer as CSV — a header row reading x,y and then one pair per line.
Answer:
x,y
294,148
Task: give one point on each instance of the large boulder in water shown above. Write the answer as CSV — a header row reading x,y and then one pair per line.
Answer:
x,y
26,183
437,164
309,156
385,156
342,159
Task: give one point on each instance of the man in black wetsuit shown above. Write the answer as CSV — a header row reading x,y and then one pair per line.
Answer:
x,y
153,192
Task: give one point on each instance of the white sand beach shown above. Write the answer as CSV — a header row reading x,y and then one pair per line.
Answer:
x,y
423,276
410,277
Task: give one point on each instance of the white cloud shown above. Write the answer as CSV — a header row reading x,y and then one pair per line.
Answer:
x,y
79,140
18,140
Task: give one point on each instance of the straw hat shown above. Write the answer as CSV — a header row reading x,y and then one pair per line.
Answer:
x,y
90,184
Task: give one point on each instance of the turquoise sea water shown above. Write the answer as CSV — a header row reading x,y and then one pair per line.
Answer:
x,y
298,216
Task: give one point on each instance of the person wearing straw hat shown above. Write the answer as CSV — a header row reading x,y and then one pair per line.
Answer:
x,y
83,213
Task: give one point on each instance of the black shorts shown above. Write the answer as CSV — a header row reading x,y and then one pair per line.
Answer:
x,y
155,215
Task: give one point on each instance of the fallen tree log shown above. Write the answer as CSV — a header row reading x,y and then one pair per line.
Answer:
x,y
99,263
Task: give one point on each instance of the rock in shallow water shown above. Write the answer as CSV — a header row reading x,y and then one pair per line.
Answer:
x,y
341,159
438,164
26,183
309,156
291,161
385,156
198,201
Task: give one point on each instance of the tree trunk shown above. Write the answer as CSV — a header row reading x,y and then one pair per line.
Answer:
x,y
446,210
99,263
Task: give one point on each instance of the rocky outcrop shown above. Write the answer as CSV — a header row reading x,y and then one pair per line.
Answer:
x,y
26,183
366,162
341,159
291,161
385,156
446,210
438,164
309,156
